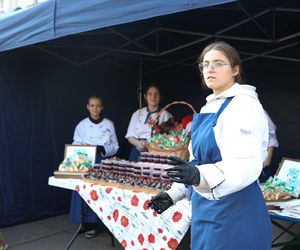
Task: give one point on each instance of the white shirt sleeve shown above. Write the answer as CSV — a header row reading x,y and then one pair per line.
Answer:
x,y
178,191
131,131
273,142
241,134
111,146
78,138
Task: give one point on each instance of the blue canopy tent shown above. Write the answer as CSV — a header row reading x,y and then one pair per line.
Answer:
x,y
31,135
53,18
56,54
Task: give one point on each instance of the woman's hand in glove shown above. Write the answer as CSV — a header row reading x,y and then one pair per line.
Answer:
x,y
183,172
160,202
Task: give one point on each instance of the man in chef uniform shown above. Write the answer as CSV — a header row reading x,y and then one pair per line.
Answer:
x,y
99,131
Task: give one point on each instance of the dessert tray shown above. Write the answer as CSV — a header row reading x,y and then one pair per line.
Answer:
x,y
139,176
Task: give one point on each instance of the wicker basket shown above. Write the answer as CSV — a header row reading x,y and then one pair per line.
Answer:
x,y
181,152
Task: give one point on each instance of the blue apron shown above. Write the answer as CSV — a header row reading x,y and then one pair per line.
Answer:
x,y
89,216
236,221
134,154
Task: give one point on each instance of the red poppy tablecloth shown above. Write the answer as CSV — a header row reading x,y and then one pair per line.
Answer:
x,y
134,225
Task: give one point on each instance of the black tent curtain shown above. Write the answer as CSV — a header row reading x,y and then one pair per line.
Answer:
x,y
28,152
39,109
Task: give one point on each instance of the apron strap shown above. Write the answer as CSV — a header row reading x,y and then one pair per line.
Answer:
x,y
223,106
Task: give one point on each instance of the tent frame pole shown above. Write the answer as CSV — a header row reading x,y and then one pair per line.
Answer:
x,y
140,89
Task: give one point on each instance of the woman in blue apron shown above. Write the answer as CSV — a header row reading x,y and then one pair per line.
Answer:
x,y
99,131
229,144
139,129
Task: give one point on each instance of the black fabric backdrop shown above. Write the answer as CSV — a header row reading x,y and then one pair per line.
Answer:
x,y
40,107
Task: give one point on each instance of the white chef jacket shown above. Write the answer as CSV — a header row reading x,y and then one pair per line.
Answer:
x,y
273,142
241,134
103,134
140,129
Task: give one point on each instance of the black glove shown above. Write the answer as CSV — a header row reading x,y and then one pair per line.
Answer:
x,y
101,149
183,172
160,202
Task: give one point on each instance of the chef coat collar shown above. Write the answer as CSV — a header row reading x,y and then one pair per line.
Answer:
x,y
234,90
96,121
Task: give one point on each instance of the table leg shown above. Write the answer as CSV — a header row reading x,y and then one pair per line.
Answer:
x,y
80,227
112,237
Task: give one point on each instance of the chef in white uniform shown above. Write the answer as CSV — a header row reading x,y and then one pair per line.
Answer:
x,y
268,169
140,126
99,131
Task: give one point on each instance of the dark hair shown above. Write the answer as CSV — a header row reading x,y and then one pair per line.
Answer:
x,y
149,86
95,97
228,51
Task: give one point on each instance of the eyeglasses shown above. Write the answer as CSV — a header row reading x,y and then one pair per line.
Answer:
x,y
203,66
